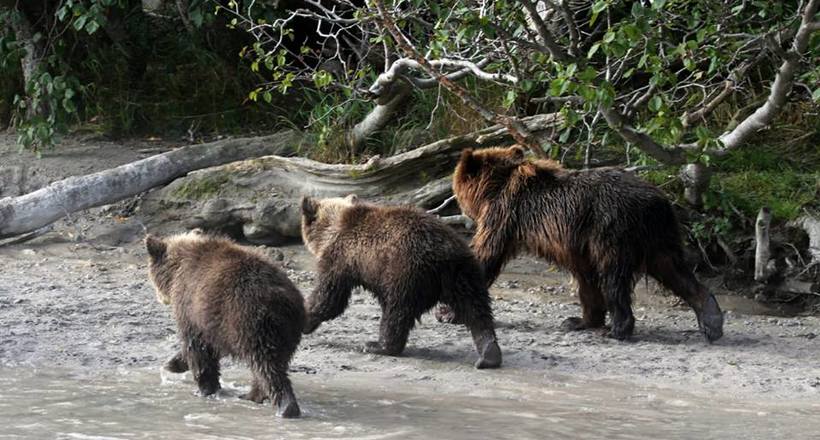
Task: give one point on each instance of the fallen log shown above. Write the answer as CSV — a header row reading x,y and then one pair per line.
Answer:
x,y
258,199
29,212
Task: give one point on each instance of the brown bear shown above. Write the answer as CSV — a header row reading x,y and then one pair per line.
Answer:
x,y
407,258
229,301
605,226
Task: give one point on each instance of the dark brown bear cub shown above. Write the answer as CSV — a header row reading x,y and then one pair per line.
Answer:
x,y
605,226
229,301
409,260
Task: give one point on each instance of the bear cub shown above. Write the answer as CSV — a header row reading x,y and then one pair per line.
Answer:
x,y
229,300
409,259
605,226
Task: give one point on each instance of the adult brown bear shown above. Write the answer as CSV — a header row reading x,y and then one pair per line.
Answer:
x,y
407,258
229,301
605,226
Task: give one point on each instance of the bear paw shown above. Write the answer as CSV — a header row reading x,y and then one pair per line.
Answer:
x,y
176,364
490,357
445,314
287,408
711,320
310,326
376,347
254,396
572,324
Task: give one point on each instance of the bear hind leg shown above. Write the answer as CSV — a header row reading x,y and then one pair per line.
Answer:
x,y
271,380
469,302
676,276
204,363
593,306
617,283
394,329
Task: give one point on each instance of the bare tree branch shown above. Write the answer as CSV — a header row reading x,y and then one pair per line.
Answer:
x,y
555,50
780,89
643,141
518,131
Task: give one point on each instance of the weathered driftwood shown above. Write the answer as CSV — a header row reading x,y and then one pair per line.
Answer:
x,y
811,224
259,198
762,245
29,212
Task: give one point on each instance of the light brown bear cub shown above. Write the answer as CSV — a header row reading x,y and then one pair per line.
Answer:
x,y
409,259
229,301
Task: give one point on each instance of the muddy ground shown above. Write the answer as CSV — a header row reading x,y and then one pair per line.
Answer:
x,y
77,298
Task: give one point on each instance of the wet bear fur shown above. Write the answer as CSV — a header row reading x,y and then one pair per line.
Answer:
x,y
605,226
407,258
229,300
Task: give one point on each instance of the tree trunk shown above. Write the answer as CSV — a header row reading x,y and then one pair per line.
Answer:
x,y
380,116
32,52
32,211
258,199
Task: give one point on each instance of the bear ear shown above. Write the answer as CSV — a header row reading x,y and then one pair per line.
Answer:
x,y
469,161
156,247
310,207
352,199
517,153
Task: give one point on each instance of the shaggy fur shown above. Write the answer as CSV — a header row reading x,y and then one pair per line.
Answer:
x,y
229,301
407,258
605,226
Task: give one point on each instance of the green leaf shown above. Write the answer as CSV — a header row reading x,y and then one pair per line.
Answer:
x,y
92,27
816,95
79,23
509,98
564,135
593,49
556,86
655,103
599,6
68,105
267,96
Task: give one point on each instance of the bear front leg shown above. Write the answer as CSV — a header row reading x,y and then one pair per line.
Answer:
x,y
593,307
328,301
177,364
204,363
491,247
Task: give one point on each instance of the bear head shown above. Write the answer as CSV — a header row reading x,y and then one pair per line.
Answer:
x,y
483,174
319,220
161,260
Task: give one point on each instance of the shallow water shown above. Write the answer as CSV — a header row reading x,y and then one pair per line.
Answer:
x,y
143,404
